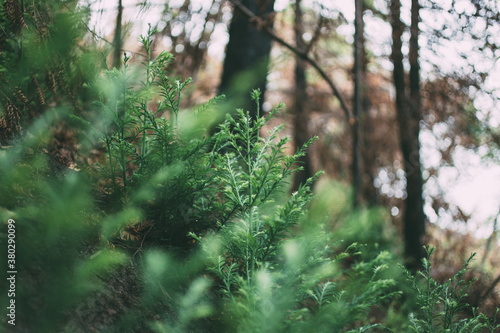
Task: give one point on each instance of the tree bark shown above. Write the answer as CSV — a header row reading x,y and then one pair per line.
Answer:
x,y
301,116
357,160
117,40
414,215
247,52
409,114
369,153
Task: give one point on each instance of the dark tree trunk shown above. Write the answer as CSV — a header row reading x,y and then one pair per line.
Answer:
x,y
370,154
408,110
357,140
301,119
117,40
247,52
413,57
414,215
368,150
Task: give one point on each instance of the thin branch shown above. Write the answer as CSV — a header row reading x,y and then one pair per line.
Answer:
x,y
93,33
110,43
302,55
143,239
316,34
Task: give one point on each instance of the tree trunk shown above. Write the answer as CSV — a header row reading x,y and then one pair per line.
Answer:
x,y
369,153
414,64
369,149
301,116
247,52
117,40
414,216
408,110
357,161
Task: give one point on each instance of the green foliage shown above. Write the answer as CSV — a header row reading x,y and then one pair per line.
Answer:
x,y
250,169
442,303
41,63
261,264
273,274
55,223
156,155
224,248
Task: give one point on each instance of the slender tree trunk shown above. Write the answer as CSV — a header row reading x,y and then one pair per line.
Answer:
x,y
357,140
363,167
408,110
247,52
369,152
414,216
301,119
413,57
117,40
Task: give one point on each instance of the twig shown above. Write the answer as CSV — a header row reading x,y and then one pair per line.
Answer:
x,y
302,55
100,37
110,43
143,239
316,34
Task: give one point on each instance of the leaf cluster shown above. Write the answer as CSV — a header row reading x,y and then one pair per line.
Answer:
x,y
441,303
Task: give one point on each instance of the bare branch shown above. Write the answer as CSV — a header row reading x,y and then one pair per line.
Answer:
x,y
93,33
316,34
302,55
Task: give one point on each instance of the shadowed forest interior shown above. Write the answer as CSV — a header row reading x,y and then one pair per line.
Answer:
x,y
249,165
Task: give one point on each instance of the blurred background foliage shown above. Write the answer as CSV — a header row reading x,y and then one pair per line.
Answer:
x,y
145,201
